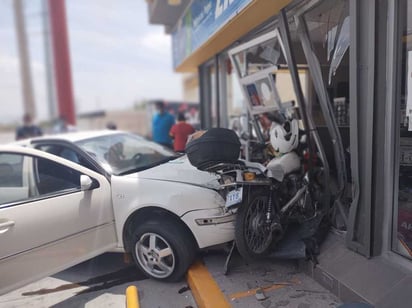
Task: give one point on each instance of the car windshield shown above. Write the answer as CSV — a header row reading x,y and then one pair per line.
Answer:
x,y
124,153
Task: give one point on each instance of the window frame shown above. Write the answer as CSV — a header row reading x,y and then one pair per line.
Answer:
x,y
392,137
29,161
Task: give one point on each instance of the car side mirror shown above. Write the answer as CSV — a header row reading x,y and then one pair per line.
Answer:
x,y
87,183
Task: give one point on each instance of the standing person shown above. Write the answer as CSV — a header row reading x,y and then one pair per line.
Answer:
x,y
28,129
161,124
180,131
111,125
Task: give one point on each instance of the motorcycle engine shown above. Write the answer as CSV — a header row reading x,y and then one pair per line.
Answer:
x,y
305,206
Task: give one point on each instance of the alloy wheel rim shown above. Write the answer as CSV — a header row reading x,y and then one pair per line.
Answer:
x,y
155,255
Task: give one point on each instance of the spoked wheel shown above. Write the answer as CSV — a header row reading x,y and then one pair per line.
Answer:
x,y
155,255
253,234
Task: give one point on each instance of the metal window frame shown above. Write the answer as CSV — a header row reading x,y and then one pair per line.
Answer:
x,y
390,127
391,154
223,113
217,89
202,97
253,113
206,92
281,32
362,95
392,144
324,100
310,127
265,73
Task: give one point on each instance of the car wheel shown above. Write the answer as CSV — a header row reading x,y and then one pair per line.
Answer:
x,y
163,250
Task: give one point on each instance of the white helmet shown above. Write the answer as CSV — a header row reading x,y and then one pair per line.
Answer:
x,y
284,137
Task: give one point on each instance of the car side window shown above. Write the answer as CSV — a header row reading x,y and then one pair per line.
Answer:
x,y
24,177
51,177
67,153
12,184
61,151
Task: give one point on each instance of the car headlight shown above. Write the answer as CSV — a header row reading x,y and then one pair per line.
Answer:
x,y
228,217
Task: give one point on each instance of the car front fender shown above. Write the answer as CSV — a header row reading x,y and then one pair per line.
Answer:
x,y
132,194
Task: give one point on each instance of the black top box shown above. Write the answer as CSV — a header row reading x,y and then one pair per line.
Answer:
x,y
217,145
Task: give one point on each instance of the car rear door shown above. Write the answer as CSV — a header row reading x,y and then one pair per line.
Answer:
x,y
47,221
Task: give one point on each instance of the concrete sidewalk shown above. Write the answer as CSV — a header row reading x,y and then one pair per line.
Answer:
x,y
267,283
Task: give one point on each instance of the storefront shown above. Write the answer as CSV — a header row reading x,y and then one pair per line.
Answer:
x,y
398,132
350,58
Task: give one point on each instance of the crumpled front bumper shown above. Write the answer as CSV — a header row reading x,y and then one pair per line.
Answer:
x,y
211,227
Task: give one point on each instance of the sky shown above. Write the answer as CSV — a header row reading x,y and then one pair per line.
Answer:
x,y
117,57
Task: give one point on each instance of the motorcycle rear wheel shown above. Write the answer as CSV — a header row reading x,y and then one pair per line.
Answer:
x,y
253,235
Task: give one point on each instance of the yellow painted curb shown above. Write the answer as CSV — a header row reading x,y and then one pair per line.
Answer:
x,y
204,288
132,297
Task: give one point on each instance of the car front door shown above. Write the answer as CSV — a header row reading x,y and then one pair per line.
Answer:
x,y
53,214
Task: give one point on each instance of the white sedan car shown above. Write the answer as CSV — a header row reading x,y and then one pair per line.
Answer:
x,y
65,199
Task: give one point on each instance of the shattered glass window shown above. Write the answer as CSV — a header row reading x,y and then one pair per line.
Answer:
x,y
259,57
264,74
339,50
328,25
329,31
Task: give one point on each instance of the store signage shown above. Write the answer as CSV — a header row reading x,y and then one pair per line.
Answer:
x,y
203,19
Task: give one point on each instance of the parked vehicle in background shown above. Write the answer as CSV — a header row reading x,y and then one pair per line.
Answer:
x,y
67,198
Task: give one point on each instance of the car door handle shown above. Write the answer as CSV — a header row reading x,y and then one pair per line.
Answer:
x,y
5,226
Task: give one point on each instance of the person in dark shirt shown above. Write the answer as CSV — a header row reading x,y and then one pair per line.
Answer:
x,y
111,125
179,132
161,124
28,129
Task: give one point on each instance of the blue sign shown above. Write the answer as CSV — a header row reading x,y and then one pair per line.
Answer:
x,y
203,19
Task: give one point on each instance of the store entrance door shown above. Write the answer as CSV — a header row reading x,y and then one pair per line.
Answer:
x,y
281,77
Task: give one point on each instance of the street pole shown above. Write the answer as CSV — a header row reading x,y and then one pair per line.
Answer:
x,y
29,106
48,55
61,56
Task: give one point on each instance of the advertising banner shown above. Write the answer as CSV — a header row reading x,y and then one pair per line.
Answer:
x,y
203,19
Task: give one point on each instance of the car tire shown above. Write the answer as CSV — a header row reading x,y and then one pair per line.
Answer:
x,y
163,250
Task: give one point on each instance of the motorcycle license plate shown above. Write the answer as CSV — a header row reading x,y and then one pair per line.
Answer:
x,y
234,197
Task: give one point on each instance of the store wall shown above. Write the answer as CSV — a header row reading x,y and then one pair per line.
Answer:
x,y
191,87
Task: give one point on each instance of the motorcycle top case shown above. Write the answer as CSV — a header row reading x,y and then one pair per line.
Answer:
x,y
216,145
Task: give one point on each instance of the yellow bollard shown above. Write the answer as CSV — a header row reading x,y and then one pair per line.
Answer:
x,y
132,297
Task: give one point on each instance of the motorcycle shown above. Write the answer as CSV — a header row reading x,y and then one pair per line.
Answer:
x,y
271,196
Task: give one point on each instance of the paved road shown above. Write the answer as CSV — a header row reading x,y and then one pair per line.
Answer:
x,y
102,281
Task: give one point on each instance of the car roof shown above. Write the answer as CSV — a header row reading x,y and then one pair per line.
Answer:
x,y
72,136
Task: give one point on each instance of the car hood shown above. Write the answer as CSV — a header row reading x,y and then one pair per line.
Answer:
x,y
179,170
